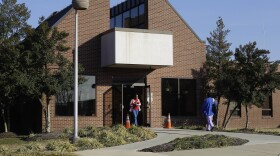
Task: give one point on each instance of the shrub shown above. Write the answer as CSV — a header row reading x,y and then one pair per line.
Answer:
x,y
69,131
92,132
142,133
60,146
82,133
32,147
88,143
120,130
3,150
109,139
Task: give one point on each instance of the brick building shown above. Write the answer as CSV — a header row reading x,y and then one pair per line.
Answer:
x,y
139,47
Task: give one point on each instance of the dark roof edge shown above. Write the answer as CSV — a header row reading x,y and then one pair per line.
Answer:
x,y
56,17
185,22
60,19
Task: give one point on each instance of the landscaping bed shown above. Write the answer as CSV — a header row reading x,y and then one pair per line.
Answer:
x,y
197,142
58,144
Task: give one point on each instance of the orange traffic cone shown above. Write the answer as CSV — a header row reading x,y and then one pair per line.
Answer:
x,y
127,122
168,121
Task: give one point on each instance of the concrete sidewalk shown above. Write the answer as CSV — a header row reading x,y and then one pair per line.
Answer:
x,y
259,145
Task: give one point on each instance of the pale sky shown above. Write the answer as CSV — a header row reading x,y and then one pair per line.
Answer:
x,y
248,20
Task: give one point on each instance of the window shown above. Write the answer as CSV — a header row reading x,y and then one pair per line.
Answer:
x,y
64,102
129,14
126,19
141,14
119,21
235,108
179,97
112,22
134,17
267,107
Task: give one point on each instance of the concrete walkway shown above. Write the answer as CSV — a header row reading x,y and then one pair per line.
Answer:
x,y
259,145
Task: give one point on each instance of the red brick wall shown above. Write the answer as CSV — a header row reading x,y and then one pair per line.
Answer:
x,y
189,53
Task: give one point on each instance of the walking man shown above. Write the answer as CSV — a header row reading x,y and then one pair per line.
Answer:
x,y
207,110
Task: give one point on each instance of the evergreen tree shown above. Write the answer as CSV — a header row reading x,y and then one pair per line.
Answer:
x,y
257,76
46,68
217,59
13,28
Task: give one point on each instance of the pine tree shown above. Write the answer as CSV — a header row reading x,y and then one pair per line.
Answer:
x,y
217,59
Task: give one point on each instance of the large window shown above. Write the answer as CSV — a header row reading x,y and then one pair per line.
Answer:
x,y
179,97
129,14
267,107
64,102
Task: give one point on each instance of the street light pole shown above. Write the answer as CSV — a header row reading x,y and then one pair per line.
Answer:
x,y
77,5
76,79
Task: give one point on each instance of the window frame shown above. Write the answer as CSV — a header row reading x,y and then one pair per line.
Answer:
x,y
268,112
69,105
177,105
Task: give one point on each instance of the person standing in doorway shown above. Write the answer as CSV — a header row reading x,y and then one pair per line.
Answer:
x,y
135,108
207,110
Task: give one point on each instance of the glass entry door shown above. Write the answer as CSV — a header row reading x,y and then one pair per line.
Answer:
x,y
122,95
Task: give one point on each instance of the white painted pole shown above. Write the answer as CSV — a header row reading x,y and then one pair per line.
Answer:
x,y
76,80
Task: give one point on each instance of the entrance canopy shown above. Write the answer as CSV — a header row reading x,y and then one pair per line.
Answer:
x,y
136,48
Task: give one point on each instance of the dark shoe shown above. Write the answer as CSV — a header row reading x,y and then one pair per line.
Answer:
x,y
212,129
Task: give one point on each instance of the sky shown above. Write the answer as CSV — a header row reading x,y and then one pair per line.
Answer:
x,y
247,20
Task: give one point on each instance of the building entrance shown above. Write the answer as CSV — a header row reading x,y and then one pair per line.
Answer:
x,y
122,95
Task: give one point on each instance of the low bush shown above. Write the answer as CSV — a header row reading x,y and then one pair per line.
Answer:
x,y
31,147
60,146
88,143
3,150
144,134
108,139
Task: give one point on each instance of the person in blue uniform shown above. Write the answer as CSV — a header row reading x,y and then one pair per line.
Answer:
x,y
207,111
